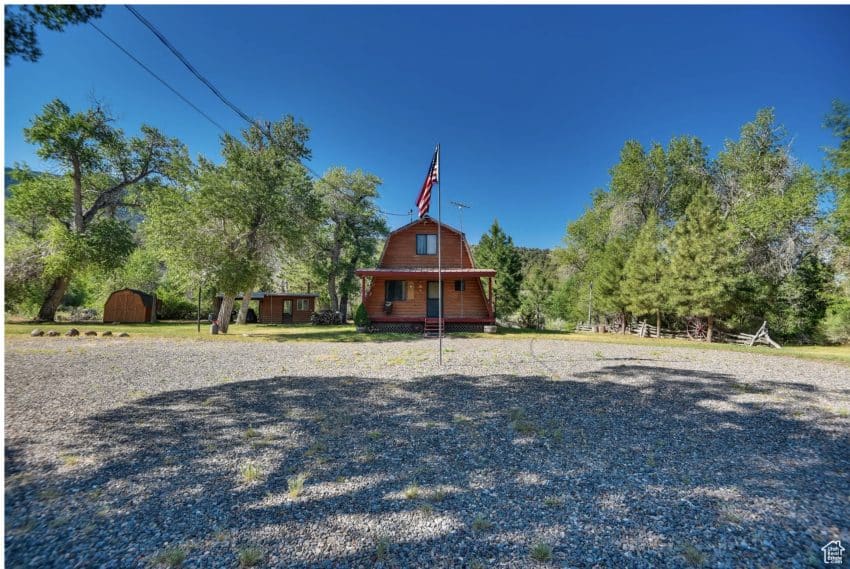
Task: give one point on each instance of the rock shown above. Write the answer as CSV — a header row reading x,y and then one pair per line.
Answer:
x,y
123,335
52,333
37,332
91,333
106,333
72,332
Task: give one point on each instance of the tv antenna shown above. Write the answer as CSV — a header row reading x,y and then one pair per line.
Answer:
x,y
460,207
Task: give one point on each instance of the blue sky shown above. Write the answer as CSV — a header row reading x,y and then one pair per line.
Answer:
x,y
530,104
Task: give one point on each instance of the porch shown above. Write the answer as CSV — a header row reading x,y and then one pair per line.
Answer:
x,y
406,298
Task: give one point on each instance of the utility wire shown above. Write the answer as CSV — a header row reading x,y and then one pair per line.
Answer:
x,y
157,77
243,115
188,65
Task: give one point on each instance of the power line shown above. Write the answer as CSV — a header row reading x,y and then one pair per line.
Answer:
x,y
189,66
157,77
243,115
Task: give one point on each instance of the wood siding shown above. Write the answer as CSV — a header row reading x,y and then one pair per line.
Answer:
x,y
271,310
473,305
126,306
400,249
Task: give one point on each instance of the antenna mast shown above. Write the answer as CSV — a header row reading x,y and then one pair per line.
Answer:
x,y
460,207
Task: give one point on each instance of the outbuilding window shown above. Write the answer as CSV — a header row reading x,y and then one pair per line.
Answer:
x,y
303,304
460,286
426,244
394,290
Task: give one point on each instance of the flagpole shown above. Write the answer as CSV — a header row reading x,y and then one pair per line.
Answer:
x,y
440,250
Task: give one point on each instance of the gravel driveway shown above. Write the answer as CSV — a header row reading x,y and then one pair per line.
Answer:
x,y
130,452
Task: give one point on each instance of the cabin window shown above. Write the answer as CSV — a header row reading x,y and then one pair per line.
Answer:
x,y
460,286
426,244
303,304
394,290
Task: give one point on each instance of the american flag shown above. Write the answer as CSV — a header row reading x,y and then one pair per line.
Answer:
x,y
423,202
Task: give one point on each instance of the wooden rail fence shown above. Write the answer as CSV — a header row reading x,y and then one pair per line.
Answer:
x,y
645,330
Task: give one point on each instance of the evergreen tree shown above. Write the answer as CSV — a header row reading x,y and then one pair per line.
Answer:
x,y
536,296
703,265
496,250
837,172
609,292
643,288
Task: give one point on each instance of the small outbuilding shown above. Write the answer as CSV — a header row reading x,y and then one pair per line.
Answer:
x,y
130,305
278,307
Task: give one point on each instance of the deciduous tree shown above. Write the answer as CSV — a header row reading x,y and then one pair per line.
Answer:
x,y
76,214
22,21
349,231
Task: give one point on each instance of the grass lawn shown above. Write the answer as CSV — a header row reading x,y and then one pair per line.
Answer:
x,y
308,332
189,331
839,354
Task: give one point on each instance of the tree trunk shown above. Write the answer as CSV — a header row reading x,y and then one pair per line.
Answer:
x,y
623,328
658,324
710,329
53,299
225,311
243,309
332,295
343,307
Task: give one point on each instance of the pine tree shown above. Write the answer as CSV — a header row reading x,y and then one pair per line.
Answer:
x,y
496,250
609,290
702,272
643,288
536,296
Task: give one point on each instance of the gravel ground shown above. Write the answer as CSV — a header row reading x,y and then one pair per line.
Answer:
x,y
122,450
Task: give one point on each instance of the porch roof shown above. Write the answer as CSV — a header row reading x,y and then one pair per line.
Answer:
x,y
424,273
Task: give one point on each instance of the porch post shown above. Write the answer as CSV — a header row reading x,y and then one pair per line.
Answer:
x,y
490,294
362,290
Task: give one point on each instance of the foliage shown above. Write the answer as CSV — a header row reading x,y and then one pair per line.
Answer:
x,y
803,298
348,233
703,266
496,250
361,319
837,171
227,225
643,287
569,301
608,291
536,296
80,219
836,324
21,23
757,200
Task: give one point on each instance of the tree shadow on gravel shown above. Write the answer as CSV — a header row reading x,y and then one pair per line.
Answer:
x,y
627,466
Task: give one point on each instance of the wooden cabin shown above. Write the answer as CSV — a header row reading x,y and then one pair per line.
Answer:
x,y
279,307
130,305
401,293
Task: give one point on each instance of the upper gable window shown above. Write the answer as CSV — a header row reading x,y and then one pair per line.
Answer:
x,y
426,244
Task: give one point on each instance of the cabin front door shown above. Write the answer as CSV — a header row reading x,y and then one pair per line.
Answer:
x,y
433,301
287,311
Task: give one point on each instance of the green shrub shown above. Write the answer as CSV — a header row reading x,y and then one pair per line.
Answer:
x,y
836,323
360,316
176,307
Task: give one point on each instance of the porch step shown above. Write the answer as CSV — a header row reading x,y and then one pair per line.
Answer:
x,y
434,328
